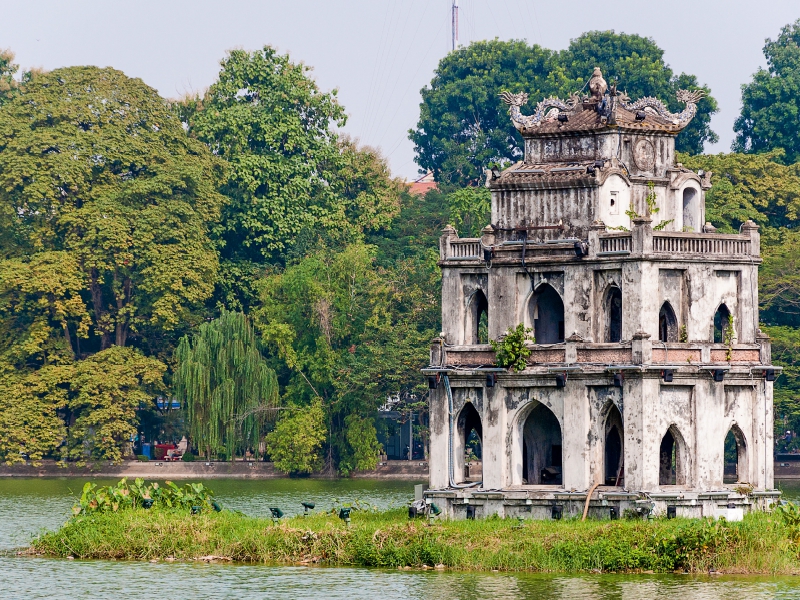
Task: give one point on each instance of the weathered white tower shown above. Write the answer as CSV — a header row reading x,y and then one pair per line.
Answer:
x,y
647,349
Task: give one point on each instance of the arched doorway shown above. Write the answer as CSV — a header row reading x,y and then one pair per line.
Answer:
x,y
672,458
734,468
546,312
613,449
722,321
691,217
476,328
541,448
468,443
667,324
614,315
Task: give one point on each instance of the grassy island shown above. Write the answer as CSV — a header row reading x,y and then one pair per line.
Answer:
x,y
762,543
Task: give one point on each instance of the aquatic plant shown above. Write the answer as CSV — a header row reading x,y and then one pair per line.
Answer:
x,y
125,496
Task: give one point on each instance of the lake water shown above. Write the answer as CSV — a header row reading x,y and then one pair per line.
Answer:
x,y
30,505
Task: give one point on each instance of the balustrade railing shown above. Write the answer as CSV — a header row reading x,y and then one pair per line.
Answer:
x,y
465,248
615,242
687,243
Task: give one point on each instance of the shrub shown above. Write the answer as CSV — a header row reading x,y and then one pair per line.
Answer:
x,y
511,351
187,457
142,458
124,496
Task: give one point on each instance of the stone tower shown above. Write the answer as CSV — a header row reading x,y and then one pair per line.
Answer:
x,y
647,350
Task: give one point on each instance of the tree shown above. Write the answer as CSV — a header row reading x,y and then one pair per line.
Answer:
x,y
637,64
7,71
224,383
30,426
273,126
106,390
95,165
470,209
758,187
770,103
349,332
294,445
464,126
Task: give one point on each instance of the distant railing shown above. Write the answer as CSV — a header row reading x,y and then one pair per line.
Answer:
x,y
687,243
615,242
465,248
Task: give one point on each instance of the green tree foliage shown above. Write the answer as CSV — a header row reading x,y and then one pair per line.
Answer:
x,y
273,126
95,164
637,64
770,103
470,209
30,427
758,187
225,384
7,71
295,443
464,126
106,390
349,332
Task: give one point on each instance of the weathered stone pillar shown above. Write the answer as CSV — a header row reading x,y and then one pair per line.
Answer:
x,y
751,229
448,235
438,419
494,442
595,229
642,237
641,348
575,437
487,236
639,400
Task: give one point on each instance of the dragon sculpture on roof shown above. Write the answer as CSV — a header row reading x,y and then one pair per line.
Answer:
x,y
548,108
690,98
543,108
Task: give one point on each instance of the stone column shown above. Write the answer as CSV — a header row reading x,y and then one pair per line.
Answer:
x,y
642,435
595,229
576,466
448,235
751,229
642,236
641,348
494,443
438,419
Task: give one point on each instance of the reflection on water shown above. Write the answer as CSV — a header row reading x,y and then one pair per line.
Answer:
x,y
39,578
26,506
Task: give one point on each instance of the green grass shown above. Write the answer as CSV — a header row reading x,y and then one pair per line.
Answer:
x,y
762,543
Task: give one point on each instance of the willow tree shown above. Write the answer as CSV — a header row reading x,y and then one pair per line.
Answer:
x,y
225,384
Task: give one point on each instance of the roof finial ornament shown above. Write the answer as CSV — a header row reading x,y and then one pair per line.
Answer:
x,y
597,85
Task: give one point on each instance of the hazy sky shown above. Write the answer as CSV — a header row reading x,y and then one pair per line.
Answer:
x,y
379,54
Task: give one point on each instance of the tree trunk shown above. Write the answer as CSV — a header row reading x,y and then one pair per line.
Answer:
x,y
97,306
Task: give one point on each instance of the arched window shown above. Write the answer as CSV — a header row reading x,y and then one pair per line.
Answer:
x,y
722,321
476,328
614,448
468,444
541,448
547,315
735,463
690,212
672,459
667,324
614,312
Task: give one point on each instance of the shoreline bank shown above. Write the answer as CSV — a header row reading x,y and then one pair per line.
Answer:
x,y
394,469
761,544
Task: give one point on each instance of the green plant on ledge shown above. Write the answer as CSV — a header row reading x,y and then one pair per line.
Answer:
x,y
727,338
511,351
652,209
683,336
